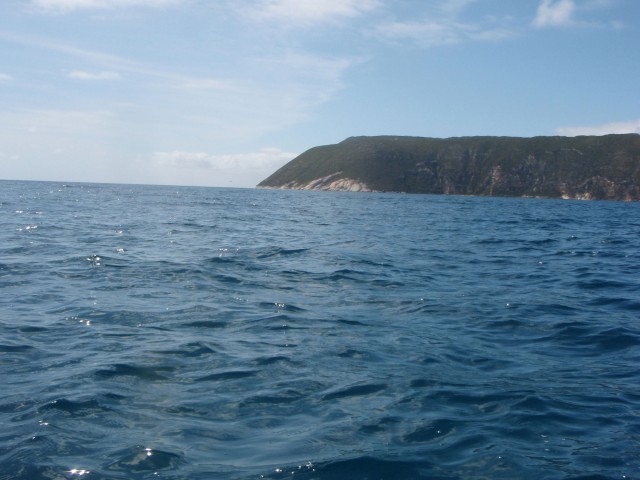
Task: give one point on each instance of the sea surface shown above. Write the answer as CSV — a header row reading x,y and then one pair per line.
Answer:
x,y
200,333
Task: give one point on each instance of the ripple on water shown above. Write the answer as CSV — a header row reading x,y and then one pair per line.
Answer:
x,y
75,407
219,333
228,375
355,391
140,372
140,459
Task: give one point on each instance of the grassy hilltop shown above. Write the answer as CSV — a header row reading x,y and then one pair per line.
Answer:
x,y
586,167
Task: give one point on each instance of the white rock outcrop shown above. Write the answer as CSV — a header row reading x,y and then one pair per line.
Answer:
x,y
331,182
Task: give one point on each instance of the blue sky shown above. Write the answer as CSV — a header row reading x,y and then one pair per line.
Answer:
x,y
224,92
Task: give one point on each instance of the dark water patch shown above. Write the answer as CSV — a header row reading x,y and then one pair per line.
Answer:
x,y
223,259
287,396
230,375
115,397
15,348
542,241
351,322
424,383
355,391
387,283
23,471
69,405
127,370
189,350
620,303
276,359
492,241
568,332
578,335
602,284
352,353
228,279
347,274
613,339
429,359
478,403
207,324
484,363
278,251
557,309
362,468
592,477
507,324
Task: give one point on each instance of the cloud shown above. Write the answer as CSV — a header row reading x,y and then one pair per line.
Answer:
x,y
267,93
5,78
440,33
243,169
57,144
109,146
311,11
632,126
441,27
269,158
554,13
64,6
81,75
104,60
312,79
109,62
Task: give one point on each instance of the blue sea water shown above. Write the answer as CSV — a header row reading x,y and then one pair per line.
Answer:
x,y
199,333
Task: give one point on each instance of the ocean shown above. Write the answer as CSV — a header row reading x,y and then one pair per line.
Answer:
x,y
206,333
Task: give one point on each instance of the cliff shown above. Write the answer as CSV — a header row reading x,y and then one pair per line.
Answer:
x,y
587,167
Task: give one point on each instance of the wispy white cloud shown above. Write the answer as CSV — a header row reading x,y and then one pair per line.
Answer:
x,y
312,79
632,126
200,167
554,13
111,63
304,12
105,60
265,158
82,75
439,33
64,6
267,93
569,13
441,25
5,78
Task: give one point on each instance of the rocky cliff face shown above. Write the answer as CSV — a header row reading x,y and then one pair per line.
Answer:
x,y
331,182
585,168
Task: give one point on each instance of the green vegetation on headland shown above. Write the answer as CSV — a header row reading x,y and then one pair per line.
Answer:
x,y
586,167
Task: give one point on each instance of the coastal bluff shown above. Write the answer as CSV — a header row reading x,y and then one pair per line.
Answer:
x,y
586,167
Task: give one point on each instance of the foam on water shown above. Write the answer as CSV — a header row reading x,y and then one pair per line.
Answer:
x,y
164,332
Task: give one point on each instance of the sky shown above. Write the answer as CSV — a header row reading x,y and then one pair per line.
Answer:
x,y
224,92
